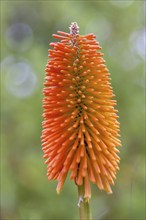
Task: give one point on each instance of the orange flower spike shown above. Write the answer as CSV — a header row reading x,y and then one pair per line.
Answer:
x,y
80,128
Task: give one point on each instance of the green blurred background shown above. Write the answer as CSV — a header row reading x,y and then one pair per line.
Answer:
x,y
26,31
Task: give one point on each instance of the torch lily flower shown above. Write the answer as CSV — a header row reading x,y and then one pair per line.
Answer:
x,y
80,128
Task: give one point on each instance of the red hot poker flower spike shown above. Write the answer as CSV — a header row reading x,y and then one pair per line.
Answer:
x,y
80,127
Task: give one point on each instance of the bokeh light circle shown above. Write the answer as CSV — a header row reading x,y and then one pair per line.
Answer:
x,y
21,80
19,37
102,28
137,41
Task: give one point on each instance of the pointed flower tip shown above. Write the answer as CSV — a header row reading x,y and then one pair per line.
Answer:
x,y
58,192
110,193
74,28
87,199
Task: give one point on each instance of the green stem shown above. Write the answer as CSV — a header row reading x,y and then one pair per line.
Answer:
x,y
83,204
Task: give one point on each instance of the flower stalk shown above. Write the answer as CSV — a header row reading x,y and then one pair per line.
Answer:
x,y
83,204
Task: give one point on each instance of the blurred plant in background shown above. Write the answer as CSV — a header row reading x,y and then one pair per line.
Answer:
x,y
26,30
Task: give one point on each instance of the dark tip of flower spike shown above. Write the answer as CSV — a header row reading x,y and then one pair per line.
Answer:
x,y
74,28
